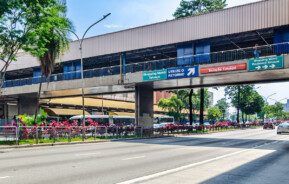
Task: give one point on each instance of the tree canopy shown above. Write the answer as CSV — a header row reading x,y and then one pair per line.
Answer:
x,y
197,7
214,114
250,101
38,27
223,106
174,106
179,103
275,111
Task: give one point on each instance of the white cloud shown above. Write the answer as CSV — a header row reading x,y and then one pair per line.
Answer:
x,y
112,26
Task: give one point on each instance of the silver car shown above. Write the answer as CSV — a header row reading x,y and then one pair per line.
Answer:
x,y
283,128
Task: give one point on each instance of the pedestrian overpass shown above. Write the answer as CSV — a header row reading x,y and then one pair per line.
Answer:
x,y
214,49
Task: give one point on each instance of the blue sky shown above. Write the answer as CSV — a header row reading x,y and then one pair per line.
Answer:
x,y
125,13
132,13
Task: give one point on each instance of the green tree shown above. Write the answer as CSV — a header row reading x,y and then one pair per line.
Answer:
x,y
54,34
174,106
275,111
245,98
223,106
37,27
192,101
214,114
197,7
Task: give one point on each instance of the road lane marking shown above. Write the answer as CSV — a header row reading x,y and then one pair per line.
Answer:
x,y
132,158
87,154
163,173
4,177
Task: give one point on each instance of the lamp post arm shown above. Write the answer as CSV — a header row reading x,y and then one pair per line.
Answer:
x,y
104,17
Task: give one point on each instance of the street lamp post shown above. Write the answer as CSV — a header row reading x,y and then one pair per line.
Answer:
x,y
266,100
276,101
80,41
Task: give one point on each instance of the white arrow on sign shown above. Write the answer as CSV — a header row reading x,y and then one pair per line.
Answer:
x,y
266,67
272,66
258,67
191,72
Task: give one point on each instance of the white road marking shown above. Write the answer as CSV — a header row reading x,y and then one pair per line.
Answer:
x,y
87,154
131,158
163,173
4,177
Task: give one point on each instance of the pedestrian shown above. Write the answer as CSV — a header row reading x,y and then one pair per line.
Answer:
x,y
14,121
257,52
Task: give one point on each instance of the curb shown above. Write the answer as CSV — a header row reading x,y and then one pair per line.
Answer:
x,y
144,138
51,144
73,143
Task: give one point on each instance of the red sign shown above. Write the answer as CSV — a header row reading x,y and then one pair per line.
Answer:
x,y
224,68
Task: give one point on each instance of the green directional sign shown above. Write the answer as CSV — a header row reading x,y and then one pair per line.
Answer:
x,y
266,63
154,75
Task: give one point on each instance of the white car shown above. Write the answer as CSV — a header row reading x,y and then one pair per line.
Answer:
x,y
283,128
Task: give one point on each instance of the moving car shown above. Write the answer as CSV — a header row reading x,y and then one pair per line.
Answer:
x,y
268,126
283,128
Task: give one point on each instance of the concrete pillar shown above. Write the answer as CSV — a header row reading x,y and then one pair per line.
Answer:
x,y
12,111
202,106
144,97
27,104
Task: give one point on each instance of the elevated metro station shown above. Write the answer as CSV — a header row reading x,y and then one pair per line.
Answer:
x,y
244,44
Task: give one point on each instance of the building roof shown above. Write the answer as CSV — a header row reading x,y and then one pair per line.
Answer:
x,y
254,16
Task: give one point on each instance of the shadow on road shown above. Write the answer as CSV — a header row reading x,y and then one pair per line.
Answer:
x,y
272,168
246,143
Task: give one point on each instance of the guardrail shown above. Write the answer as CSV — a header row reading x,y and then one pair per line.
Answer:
x,y
198,59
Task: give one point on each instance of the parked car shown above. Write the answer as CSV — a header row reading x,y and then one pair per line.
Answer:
x,y
283,128
268,126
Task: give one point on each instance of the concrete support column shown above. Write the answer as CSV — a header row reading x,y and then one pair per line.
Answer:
x,y
202,106
27,104
144,111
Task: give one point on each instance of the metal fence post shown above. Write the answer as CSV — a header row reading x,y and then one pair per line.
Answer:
x,y
83,134
69,134
17,135
106,133
36,134
54,134
94,132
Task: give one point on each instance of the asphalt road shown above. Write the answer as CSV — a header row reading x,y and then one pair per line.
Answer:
x,y
243,156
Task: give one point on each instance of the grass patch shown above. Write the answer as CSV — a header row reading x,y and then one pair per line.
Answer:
x,y
65,140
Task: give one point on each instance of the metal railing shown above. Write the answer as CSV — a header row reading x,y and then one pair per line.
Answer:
x,y
67,134
49,134
199,59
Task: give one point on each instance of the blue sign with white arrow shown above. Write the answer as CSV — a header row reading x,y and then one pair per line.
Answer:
x,y
185,72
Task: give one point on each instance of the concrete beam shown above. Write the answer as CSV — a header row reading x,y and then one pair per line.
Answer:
x,y
110,84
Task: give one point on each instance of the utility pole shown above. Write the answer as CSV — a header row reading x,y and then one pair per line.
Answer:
x,y
80,41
